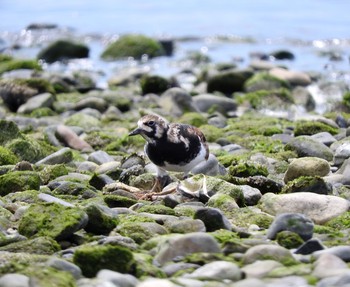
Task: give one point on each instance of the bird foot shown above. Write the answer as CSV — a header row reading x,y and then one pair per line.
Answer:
x,y
157,188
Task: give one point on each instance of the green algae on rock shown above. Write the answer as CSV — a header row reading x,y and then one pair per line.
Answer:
x,y
314,184
133,46
19,181
289,239
53,220
193,119
16,64
26,149
7,156
154,84
264,81
63,50
313,127
101,219
92,259
156,209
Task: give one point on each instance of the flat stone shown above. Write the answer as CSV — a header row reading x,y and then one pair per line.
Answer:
x,y
293,77
260,268
328,265
318,207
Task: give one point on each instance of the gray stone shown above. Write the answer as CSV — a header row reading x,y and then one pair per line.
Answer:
x,y
306,166
260,268
221,104
210,167
176,101
341,153
36,102
251,195
342,251
249,282
71,139
263,251
87,166
97,103
328,265
341,280
99,157
182,245
64,155
64,265
304,98
213,219
319,208
49,198
310,246
119,279
171,269
324,137
306,146
218,271
14,280
185,226
294,222
293,77
155,282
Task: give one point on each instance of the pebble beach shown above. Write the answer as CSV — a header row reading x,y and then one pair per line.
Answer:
x,y
269,208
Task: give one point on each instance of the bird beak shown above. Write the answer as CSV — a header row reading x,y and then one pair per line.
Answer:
x,y
135,132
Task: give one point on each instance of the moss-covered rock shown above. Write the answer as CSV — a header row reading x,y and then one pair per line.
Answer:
x,y
314,184
289,239
50,172
82,120
48,276
211,133
264,81
11,262
39,245
63,50
133,46
113,200
15,64
9,132
156,209
19,181
101,219
245,216
313,127
52,220
26,149
273,100
16,92
7,156
228,82
144,267
193,119
154,84
92,259
341,222
247,168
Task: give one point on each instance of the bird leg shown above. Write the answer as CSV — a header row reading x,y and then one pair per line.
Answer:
x,y
162,180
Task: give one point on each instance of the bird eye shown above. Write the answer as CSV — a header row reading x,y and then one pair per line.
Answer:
x,y
151,123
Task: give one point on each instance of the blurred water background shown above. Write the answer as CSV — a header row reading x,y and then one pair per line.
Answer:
x,y
224,30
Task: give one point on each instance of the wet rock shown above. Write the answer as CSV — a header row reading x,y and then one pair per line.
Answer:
x,y
294,222
206,102
228,82
153,84
218,271
305,146
213,219
100,180
319,208
176,101
134,46
182,245
324,137
63,50
36,102
295,78
19,181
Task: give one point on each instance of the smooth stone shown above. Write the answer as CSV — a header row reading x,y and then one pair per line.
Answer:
x,y
71,139
185,226
289,281
341,251
182,245
97,103
218,271
263,251
14,280
324,137
171,269
310,246
251,195
303,97
87,166
188,282
249,282
99,157
36,102
293,222
328,265
154,282
49,198
260,268
222,104
342,280
213,218
63,155
293,77
306,146
210,167
306,166
176,101
64,265
318,207
119,279
262,65
341,153
107,167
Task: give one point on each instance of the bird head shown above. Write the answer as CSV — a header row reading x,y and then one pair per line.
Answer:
x,y
151,128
